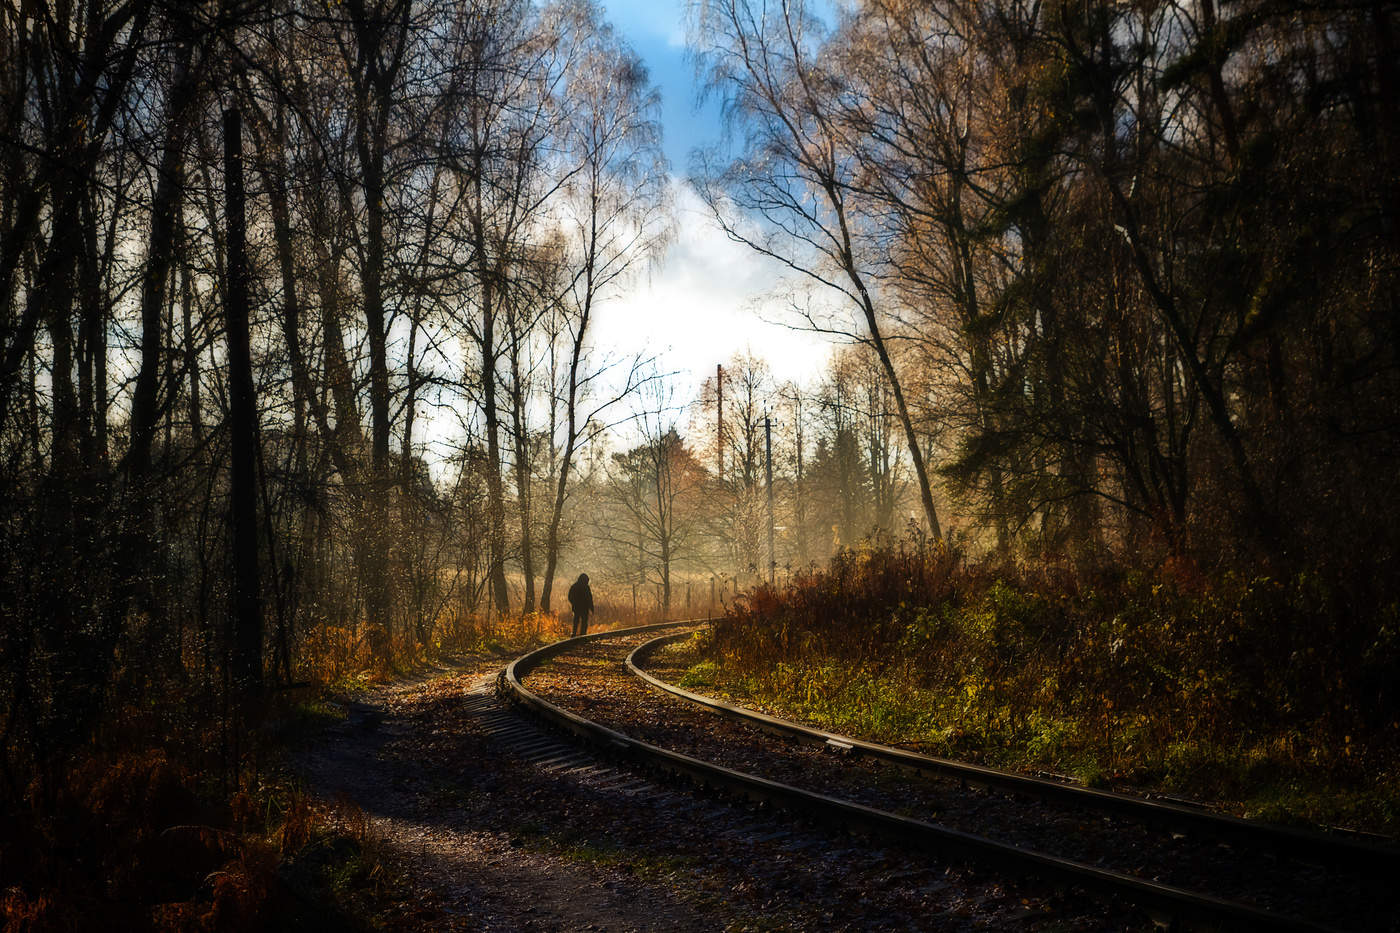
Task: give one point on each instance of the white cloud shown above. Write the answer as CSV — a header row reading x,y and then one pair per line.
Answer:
x,y
709,298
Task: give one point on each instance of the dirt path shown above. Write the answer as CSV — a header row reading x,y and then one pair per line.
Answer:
x,y
445,810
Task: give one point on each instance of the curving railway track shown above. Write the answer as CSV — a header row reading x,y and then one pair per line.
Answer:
x,y
1164,862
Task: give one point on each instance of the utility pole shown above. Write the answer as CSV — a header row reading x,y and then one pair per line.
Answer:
x,y
245,617
719,421
768,454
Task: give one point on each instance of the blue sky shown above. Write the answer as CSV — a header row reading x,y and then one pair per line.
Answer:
x,y
709,297
656,32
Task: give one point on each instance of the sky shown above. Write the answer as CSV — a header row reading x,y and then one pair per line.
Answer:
x,y
706,298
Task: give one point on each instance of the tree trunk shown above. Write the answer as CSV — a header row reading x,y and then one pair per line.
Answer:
x,y
877,340
495,494
245,598
520,430
571,438
145,414
377,581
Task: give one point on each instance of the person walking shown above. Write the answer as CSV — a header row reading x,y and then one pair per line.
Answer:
x,y
581,599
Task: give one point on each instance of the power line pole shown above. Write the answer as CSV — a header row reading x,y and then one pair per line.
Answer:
x,y
719,421
768,454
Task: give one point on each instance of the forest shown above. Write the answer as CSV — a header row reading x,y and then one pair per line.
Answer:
x,y
299,384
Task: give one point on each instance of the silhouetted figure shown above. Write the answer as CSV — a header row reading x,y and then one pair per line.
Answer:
x,y
581,599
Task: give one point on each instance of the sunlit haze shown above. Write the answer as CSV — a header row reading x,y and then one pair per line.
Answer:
x,y
707,299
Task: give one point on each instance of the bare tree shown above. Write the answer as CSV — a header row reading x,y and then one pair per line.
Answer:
x,y
614,218
658,486
797,171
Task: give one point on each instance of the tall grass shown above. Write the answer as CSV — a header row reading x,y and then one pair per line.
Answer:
x,y
1281,692
340,654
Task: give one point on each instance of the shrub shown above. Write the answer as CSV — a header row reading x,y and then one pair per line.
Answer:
x,y
1225,684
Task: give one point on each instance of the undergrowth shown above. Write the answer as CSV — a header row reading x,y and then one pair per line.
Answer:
x,y
139,842
1275,695
181,813
345,658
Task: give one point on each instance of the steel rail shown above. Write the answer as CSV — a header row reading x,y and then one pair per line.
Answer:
x,y
1176,902
1371,858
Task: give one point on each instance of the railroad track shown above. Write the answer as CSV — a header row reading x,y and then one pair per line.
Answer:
x,y
1334,848
853,789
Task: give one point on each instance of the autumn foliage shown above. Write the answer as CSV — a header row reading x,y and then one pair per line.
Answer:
x,y
1271,690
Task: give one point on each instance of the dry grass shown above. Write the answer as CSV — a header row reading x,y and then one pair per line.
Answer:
x,y
1274,693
